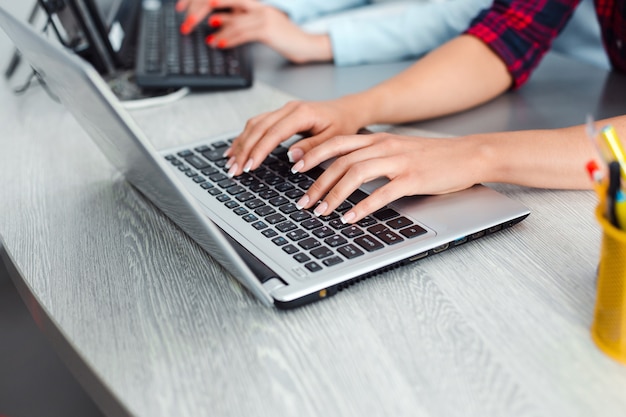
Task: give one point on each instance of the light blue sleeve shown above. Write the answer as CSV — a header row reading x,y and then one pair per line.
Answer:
x,y
419,29
300,11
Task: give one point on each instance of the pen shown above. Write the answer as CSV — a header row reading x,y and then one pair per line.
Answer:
x,y
620,209
614,145
612,192
596,176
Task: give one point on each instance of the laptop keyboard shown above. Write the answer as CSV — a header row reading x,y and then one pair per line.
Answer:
x,y
265,200
169,54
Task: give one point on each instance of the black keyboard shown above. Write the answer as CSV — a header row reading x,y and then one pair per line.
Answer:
x,y
166,58
265,198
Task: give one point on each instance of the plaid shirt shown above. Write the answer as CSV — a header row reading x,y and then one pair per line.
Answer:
x,y
521,31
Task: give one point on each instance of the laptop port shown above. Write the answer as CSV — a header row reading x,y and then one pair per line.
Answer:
x,y
441,248
418,256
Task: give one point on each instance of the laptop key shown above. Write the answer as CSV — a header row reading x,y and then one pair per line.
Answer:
x,y
385,214
350,251
412,231
399,222
321,252
369,243
333,260
313,266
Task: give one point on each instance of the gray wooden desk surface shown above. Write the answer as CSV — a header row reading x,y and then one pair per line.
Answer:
x,y
153,327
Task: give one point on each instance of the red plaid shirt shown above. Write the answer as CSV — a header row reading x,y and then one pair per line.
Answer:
x,y
521,31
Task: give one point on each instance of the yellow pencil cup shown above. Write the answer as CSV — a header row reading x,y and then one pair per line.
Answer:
x,y
609,323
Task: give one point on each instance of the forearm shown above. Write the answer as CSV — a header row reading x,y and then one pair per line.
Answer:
x,y
459,75
553,158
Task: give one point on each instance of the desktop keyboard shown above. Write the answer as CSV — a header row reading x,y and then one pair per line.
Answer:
x,y
264,201
166,58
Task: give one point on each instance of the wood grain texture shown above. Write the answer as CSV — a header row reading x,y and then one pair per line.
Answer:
x,y
498,327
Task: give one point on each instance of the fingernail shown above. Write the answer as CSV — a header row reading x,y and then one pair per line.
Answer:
x,y
304,200
297,167
209,39
187,25
222,43
213,3
294,154
320,209
348,217
232,170
215,21
227,152
230,162
248,165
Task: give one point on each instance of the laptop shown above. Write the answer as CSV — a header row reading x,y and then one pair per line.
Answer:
x,y
286,257
144,37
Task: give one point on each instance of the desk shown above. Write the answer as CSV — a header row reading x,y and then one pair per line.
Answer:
x,y
153,327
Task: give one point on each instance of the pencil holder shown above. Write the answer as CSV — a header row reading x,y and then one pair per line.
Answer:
x,y
609,323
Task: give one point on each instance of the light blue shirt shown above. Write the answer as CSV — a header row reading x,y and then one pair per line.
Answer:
x,y
389,32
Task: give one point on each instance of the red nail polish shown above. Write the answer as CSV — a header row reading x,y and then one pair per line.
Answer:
x,y
215,22
187,25
209,39
221,43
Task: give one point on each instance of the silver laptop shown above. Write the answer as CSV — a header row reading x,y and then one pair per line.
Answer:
x,y
286,257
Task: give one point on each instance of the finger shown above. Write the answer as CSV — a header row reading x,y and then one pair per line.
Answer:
x,y
251,138
382,196
181,5
313,151
234,30
196,11
344,176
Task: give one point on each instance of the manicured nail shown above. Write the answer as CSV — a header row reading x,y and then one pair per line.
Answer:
x,y
230,162
209,39
227,152
215,21
248,166
304,200
232,170
348,217
188,25
222,43
297,167
294,154
320,209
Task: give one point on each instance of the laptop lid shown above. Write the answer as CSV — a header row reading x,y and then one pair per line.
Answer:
x,y
85,94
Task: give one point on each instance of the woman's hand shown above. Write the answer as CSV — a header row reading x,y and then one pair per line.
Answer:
x,y
413,165
252,21
319,120
243,21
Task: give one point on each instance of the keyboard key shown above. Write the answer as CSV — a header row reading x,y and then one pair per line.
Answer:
x,y
313,267
301,257
385,214
309,243
399,222
196,162
321,252
412,231
350,251
269,233
333,260
297,234
279,241
369,243
290,249
352,231
335,240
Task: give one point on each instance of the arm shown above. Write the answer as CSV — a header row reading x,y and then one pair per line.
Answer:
x,y
301,11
